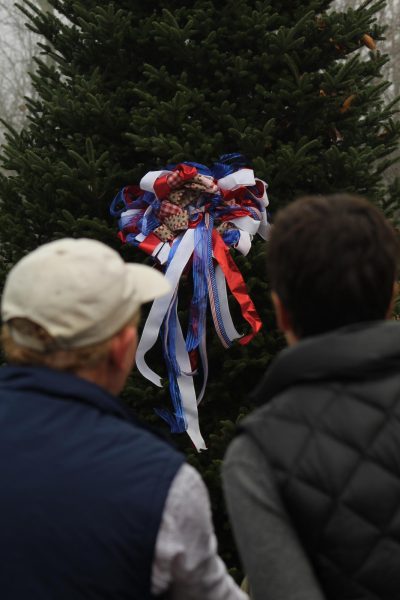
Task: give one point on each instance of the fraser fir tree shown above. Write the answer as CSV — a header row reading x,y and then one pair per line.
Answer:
x,y
129,86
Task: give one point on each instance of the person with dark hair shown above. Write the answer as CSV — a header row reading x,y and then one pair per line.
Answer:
x,y
312,481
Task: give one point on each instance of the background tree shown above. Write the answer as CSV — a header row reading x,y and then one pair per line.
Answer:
x,y
125,87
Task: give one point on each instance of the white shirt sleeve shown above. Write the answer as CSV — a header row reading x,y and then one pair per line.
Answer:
x,y
186,562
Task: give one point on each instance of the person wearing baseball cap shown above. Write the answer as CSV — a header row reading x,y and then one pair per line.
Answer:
x,y
92,503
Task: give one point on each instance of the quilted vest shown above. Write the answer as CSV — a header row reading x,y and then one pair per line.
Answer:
x,y
82,490
331,432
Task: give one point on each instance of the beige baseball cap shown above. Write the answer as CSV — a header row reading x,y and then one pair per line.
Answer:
x,y
79,290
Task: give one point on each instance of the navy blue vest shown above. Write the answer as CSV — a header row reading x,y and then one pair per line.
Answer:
x,y
82,490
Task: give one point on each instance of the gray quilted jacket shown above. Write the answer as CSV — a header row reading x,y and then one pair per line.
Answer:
x,y
330,430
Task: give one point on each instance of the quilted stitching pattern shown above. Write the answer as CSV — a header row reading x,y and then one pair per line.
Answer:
x,y
339,475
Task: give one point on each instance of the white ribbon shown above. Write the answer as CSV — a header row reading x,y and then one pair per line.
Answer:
x,y
160,306
264,199
204,361
131,211
227,321
244,244
265,227
147,181
187,391
237,179
246,224
150,334
161,252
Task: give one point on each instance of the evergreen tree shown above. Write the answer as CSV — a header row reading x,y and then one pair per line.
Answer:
x,y
129,86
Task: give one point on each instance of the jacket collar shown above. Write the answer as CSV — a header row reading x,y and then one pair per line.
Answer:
x,y
344,354
59,384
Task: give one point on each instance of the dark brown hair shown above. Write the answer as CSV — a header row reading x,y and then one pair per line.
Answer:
x,y
332,261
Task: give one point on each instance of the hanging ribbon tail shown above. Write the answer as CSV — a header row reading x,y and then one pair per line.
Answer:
x,y
188,392
198,305
261,197
237,286
161,305
265,227
204,362
182,387
227,320
181,384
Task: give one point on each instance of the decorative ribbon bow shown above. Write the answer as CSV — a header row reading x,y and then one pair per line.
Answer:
x,y
187,217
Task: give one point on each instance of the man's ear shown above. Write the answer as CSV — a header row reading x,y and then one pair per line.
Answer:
x,y
282,315
283,319
123,348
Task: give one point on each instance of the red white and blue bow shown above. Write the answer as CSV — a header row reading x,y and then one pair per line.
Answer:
x,y
187,217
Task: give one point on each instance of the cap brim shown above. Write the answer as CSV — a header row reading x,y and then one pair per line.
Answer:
x,y
150,284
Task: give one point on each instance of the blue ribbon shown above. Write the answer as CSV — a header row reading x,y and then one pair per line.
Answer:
x,y
227,164
231,237
176,420
198,306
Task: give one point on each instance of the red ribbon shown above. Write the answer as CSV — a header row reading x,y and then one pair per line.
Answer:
x,y
149,243
162,186
237,286
234,214
185,172
131,192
